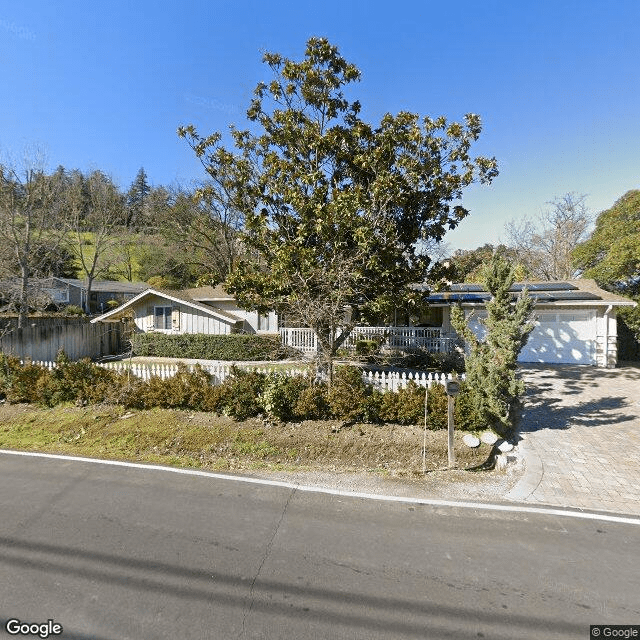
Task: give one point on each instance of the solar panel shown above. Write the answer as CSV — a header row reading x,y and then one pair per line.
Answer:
x,y
565,295
544,286
467,287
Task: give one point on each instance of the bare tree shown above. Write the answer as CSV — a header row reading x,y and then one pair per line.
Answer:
x,y
33,224
206,224
544,246
96,219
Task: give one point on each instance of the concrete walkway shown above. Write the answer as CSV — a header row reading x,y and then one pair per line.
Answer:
x,y
581,438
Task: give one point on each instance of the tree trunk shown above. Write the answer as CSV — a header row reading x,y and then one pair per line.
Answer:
x,y
23,302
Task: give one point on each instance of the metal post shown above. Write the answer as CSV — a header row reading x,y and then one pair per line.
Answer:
x,y
450,451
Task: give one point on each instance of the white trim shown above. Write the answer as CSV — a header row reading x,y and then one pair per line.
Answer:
x,y
228,318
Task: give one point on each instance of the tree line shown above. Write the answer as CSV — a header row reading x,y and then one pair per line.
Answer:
x,y
71,224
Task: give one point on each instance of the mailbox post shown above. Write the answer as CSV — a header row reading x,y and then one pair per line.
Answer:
x,y
452,387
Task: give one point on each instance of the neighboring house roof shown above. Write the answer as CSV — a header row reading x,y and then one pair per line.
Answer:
x,y
173,296
209,293
108,286
579,292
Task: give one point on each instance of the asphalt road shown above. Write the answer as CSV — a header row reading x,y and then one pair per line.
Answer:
x,y
115,552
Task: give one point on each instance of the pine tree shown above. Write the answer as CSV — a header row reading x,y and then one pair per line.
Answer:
x,y
136,199
491,362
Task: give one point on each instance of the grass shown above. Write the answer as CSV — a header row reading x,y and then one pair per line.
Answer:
x,y
202,440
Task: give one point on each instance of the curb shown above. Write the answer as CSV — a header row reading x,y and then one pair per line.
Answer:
x,y
532,475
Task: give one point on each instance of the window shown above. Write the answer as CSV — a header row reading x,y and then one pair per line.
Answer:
x,y
58,295
162,317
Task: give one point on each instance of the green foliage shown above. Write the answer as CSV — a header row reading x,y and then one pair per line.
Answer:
x,y
74,310
281,394
494,389
611,255
23,383
312,402
335,207
242,396
233,346
185,390
466,265
351,399
366,347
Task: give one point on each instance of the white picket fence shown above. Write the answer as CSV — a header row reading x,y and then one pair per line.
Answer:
x,y
429,338
381,380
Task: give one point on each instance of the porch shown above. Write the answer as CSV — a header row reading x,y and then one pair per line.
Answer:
x,y
396,338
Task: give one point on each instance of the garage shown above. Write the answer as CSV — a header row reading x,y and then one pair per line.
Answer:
x,y
562,337
575,320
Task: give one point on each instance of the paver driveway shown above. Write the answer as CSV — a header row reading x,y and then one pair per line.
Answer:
x,y
581,438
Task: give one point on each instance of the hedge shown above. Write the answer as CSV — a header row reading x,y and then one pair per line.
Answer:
x,y
243,395
235,346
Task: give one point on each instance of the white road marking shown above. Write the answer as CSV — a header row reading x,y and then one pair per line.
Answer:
x,y
486,506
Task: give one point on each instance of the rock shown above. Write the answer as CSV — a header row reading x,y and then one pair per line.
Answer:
x,y
470,440
505,446
488,437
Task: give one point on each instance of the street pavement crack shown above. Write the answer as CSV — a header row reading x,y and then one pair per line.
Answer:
x,y
267,552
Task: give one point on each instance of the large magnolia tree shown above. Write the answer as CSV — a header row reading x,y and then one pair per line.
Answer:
x,y
336,209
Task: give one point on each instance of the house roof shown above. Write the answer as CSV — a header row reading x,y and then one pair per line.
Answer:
x,y
108,286
209,293
173,296
581,292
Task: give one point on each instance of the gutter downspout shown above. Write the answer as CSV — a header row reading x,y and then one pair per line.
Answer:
x,y
606,335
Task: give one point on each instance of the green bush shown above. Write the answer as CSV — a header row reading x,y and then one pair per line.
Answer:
x,y
350,398
241,394
74,310
185,390
280,396
366,347
235,346
24,383
312,403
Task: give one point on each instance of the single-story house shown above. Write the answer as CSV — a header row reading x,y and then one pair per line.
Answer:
x,y
200,310
102,292
575,319
73,291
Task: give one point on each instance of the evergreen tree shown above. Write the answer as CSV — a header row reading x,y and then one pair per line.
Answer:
x,y
137,198
491,362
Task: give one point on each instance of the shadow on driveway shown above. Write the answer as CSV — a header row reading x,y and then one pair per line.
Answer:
x,y
559,396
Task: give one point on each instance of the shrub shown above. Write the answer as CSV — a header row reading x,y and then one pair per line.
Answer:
x,y
406,406
280,396
491,362
24,383
312,403
241,394
73,310
349,397
234,346
366,347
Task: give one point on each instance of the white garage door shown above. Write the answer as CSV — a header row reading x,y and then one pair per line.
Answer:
x,y
562,337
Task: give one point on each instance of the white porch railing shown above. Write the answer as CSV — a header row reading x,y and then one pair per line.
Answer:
x,y
429,338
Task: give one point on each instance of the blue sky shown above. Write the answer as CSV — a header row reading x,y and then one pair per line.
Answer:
x,y
105,85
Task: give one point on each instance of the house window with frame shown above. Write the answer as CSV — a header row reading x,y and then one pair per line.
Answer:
x,y
162,317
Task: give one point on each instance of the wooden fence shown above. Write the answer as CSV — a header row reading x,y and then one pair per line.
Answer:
x,y
381,380
42,338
